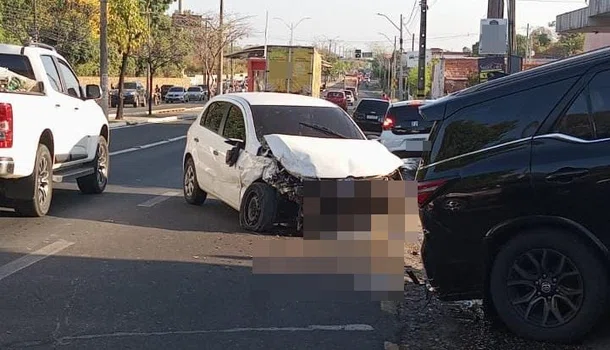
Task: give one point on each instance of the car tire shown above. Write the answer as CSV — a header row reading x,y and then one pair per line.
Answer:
x,y
589,288
144,102
193,194
96,183
42,183
258,209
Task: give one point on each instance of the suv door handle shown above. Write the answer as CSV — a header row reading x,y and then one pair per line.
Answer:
x,y
196,139
57,105
567,175
215,152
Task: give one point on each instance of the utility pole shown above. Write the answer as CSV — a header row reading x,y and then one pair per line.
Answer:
x,y
104,55
528,50
149,80
512,35
219,80
421,74
180,6
401,91
232,75
495,8
393,90
36,34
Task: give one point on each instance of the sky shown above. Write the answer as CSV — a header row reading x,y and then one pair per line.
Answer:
x,y
354,24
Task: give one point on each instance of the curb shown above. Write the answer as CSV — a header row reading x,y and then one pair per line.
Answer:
x,y
151,121
158,111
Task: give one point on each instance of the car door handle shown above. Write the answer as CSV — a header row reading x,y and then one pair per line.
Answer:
x,y
76,108
567,175
215,152
196,139
57,105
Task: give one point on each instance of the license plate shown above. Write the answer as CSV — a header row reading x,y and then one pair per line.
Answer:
x,y
372,117
415,123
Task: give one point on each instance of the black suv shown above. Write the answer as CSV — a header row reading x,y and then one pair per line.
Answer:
x,y
370,113
514,196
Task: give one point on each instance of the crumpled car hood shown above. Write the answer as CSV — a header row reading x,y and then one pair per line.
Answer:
x,y
322,158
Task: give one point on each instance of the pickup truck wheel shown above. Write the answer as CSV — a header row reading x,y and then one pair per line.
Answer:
x,y
258,208
42,180
193,194
96,183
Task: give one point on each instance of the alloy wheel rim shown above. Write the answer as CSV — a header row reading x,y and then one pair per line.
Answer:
x,y
189,181
42,181
545,288
253,209
102,165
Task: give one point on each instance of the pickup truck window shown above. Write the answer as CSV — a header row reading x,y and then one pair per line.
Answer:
x,y
52,73
72,85
16,74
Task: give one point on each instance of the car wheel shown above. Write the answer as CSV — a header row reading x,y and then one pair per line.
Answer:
x,y
42,182
549,286
144,102
258,208
193,194
96,183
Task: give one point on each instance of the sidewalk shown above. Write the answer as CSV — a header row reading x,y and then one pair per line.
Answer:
x,y
157,117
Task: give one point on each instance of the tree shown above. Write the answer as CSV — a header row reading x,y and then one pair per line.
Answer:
x,y
571,43
413,78
168,46
127,30
475,49
466,49
211,39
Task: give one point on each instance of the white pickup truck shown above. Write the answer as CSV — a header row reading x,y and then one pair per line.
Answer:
x,y
51,129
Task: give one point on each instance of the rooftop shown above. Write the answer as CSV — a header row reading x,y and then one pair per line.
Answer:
x,y
279,99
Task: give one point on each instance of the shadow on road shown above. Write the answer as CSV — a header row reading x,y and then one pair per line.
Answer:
x,y
76,302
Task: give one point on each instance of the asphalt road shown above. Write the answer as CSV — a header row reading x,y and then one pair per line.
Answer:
x,y
138,268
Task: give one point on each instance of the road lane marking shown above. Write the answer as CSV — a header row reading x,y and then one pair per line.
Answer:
x,y
147,146
32,258
312,328
159,199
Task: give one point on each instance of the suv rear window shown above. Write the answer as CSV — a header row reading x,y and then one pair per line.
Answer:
x,y
408,118
375,106
196,89
19,75
335,94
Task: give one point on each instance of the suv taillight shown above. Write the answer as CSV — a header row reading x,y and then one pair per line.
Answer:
x,y
6,125
426,189
388,123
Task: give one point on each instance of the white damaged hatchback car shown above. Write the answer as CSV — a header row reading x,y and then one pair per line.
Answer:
x,y
254,150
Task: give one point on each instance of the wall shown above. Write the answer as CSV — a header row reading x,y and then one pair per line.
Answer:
x,y
595,41
156,81
457,71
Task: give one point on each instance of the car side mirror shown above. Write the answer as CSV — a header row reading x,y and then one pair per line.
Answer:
x,y
235,143
93,92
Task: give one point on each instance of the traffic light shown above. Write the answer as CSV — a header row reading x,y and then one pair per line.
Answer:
x,y
358,53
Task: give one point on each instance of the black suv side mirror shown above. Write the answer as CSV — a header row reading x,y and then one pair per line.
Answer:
x,y
233,154
93,92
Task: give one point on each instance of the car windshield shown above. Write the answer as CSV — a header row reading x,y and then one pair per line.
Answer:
x,y
195,89
334,94
130,86
377,107
16,74
176,89
304,121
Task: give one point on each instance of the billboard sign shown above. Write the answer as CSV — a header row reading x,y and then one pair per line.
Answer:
x,y
494,36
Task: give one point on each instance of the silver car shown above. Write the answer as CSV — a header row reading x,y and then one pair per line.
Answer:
x,y
195,93
176,94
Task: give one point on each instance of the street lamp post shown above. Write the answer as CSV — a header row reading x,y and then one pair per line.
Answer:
x,y
400,30
392,65
219,79
292,27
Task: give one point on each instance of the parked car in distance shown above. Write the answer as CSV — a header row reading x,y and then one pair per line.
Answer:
x,y
51,129
370,113
134,93
164,89
513,197
254,150
337,97
176,94
404,131
206,91
354,91
350,97
195,93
